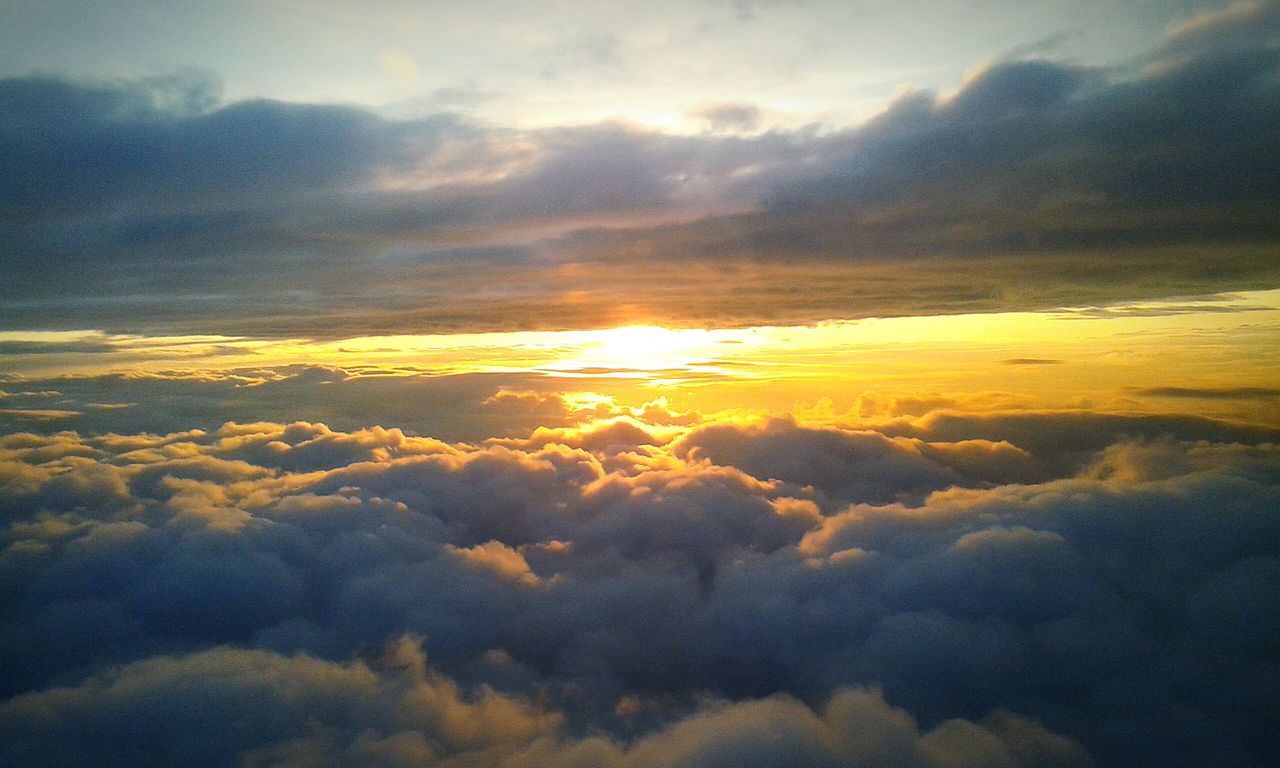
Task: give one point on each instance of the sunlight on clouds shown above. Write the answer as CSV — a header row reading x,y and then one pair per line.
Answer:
x,y
584,401
642,383
1095,355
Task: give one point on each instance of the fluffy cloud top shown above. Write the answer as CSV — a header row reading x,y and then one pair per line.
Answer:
x,y
287,565
979,592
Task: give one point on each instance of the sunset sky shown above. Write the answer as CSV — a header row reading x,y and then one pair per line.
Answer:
x,y
620,384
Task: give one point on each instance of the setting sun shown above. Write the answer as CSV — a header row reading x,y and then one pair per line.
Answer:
x,y
639,350
637,383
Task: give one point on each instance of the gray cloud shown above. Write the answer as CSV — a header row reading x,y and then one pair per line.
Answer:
x,y
226,705
1038,183
259,708
1212,393
987,573
457,407
723,116
285,565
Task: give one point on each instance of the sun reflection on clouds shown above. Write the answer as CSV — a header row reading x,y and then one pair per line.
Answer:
x,y
586,401
1049,358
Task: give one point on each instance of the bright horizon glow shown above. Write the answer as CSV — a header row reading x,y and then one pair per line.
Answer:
x,y
1069,357
682,383
641,350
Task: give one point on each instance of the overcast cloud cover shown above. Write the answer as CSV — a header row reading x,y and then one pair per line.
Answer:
x,y
153,203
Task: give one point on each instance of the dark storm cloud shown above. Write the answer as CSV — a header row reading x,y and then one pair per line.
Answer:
x,y
1029,587
1039,183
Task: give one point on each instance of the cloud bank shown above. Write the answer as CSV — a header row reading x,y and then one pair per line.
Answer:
x,y
152,204
1044,588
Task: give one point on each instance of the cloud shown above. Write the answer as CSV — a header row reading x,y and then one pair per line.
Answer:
x,y
179,401
727,116
1027,586
1212,393
855,728
499,558
52,348
1240,26
253,566
39,414
851,466
1032,168
257,708
1031,361
1065,439
228,705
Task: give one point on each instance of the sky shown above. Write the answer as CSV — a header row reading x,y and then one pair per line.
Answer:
x,y
603,385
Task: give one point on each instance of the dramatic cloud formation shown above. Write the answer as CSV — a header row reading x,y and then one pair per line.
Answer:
x,y
233,594
153,204
700,384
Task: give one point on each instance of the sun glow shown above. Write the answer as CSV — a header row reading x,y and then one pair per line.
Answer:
x,y
1052,359
638,349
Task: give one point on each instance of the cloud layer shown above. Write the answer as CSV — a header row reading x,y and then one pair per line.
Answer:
x,y
151,204
406,561
1017,589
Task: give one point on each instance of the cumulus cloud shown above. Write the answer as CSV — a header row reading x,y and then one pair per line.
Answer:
x,y
258,708
227,705
1019,589
854,465
347,566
